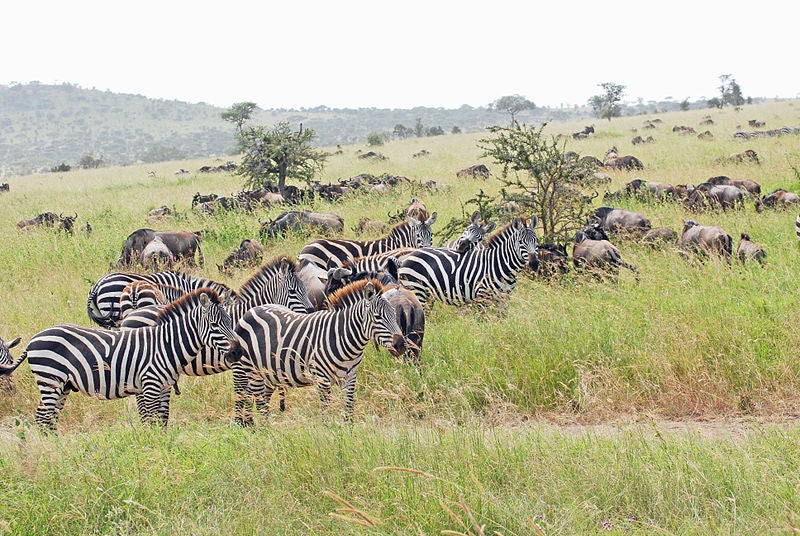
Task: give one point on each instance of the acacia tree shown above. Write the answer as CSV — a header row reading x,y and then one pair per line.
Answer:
x,y
730,91
539,174
606,106
277,154
513,104
238,114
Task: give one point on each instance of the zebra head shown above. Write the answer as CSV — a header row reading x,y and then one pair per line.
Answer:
x,y
216,327
473,234
421,231
5,356
8,365
385,329
278,282
528,241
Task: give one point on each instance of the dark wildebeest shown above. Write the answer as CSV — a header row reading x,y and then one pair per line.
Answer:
x,y
478,171
755,123
738,158
5,187
649,189
707,195
370,227
598,256
779,199
747,250
627,162
421,153
7,365
617,220
156,255
705,239
750,186
249,254
183,245
45,219
636,140
583,134
553,260
298,220
410,313
198,198
659,236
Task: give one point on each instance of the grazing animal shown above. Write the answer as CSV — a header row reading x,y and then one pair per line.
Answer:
x,y
627,162
299,221
747,250
748,185
7,365
553,260
250,253
156,255
332,252
707,195
183,245
598,256
617,220
5,187
473,234
199,198
421,153
370,227
779,199
103,304
114,364
660,236
45,219
282,348
476,274
138,294
706,239
739,158
478,171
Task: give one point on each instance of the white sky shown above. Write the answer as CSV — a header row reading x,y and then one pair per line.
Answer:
x,y
352,54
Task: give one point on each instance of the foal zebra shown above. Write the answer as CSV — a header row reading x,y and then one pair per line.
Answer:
x,y
110,364
276,282
332,252
458,278
286,349
103,304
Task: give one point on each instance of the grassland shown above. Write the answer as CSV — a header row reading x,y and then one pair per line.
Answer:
x,y
659,405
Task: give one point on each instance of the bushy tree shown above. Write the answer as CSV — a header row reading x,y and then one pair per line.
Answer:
x,y
374,139
89,161
513,104
606,106
277,154
402,132
538,173
238,114
61,168
730,92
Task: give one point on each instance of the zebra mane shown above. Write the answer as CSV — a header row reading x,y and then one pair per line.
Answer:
x,y
183,303
250,287
500,234
398,226
351,293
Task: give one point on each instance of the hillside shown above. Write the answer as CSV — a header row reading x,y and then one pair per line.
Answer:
x,y
42,126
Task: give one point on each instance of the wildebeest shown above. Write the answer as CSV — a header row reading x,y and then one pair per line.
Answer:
x,y
421,153
738,158
183,245
707,195
156,255
779,199
707,135
7,365
159,213
553,260
636,140
370,227
660,235
749,185
747,250
597,256
478,171
706,239
755,123
250,253
617,220
583,134
298,220
198,198
49,219
5,187
627,162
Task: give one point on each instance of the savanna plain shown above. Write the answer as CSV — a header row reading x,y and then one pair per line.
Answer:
x,y
663,404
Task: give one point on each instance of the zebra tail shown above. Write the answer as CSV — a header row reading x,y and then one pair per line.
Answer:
x,y
104,320
6,371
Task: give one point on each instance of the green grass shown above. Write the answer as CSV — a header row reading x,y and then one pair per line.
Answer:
x,y
687,342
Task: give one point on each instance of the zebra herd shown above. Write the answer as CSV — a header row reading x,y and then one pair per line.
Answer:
x,y
783,131
155,327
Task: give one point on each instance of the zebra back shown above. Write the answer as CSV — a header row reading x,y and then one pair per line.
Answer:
x,y
103,305
139,294
275,282
332,252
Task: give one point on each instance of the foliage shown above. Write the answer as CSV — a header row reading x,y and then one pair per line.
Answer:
x,y
434,131
539,175
89,161
714,102
513,104
62,167
401,132
685,105
277,154
607,105
238,114
419,129
730,92
374,139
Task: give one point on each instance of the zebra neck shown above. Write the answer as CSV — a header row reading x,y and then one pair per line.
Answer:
x,y
180,337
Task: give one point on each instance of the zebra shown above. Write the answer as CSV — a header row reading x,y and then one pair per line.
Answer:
x,y
332,252
103,304
276,282
110,364
138,294
7,365
797,226
472,236
281,348
458,278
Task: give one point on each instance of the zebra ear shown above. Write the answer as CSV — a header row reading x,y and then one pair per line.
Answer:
x,y
430,221
476,217
204,299
369,291
13,343
489,227
534,221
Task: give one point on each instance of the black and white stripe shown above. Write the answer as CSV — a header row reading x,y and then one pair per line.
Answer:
x,y
458,278
103,304
473,234
139,294
332,252
7,365
111,364
286,349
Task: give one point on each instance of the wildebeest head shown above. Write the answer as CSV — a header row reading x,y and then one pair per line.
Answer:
x,y
67,223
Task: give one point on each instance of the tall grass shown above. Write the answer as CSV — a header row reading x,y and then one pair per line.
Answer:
x,y
463,437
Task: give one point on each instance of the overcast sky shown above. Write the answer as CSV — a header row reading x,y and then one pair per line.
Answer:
x,y
352,54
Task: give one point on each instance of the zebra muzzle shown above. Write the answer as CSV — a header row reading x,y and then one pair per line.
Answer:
x,y
398,344
234,353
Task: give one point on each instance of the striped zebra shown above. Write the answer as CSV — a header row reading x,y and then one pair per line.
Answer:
x,y
458,278
797,226
103,304
332,252
139,294
7,365
286,349
276,282
111,364
473,234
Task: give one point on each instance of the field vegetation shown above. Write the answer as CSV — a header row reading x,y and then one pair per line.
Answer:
x,y
659,404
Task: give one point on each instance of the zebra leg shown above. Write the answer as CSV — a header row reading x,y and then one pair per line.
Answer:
x,y
49,409
262,394
281,398
163,405
242,398
324,389
349,388
149,405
